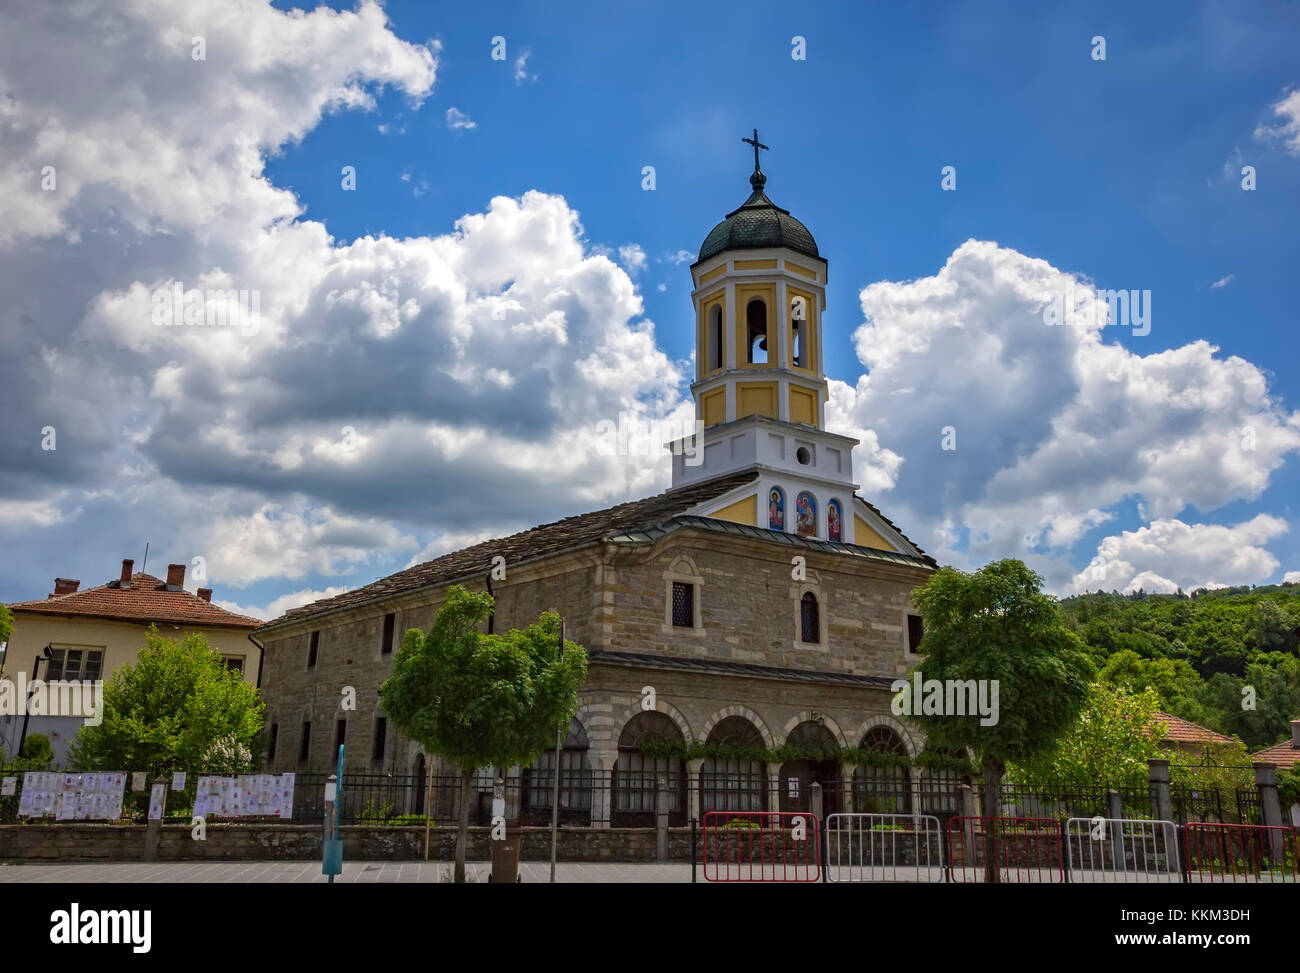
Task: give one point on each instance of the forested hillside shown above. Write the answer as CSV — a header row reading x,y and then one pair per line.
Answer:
x,y
1228,658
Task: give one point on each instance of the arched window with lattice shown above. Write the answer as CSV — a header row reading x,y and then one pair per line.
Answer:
x,y
882,782
649,747
575,782
734,776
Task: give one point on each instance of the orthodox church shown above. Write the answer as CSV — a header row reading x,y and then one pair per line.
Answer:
x,y
761,604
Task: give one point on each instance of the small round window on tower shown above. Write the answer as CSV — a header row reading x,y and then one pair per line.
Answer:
x,y
803,455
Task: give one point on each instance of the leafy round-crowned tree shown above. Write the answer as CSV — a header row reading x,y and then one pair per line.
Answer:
x,y
996,623
479,699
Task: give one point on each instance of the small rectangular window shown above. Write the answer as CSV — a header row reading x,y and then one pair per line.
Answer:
x,y
381,738
305,748
915,632
235,663
272,741
311,649
340,735
683,604
386,646
810,626
54,669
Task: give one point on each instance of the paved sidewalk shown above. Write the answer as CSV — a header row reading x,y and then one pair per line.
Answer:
x,y
531,872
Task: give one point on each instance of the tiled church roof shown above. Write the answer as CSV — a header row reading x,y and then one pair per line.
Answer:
x,y
637,520
543,541
148,599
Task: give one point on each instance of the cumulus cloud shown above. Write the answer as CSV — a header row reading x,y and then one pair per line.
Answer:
x,y
633,258
1169,554
286,602
1287,129
1053,427
392,388
1222,282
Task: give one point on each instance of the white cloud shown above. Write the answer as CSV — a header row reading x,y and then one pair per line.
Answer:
x,y
1055,426
681,257
633,258
458,121
1287,130
1169,554
1291,577
521,68
1222,282
395,387
286,602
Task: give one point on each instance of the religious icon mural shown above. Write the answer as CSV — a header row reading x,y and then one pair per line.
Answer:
x,y
776,509
805,516
833,530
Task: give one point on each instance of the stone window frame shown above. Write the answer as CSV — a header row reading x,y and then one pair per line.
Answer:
x,y
811,586
313,649
908,652
683,569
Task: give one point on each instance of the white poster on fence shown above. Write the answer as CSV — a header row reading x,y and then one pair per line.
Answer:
x,y
72,797
245,796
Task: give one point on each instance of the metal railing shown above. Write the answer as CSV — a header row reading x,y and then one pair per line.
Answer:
x,y
1121,850
884,848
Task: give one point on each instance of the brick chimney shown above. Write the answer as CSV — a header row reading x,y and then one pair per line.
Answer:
x,y
1295,734
127,565
205,594
66,586
175,576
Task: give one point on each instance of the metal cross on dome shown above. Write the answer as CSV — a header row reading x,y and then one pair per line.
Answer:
x,y
757,145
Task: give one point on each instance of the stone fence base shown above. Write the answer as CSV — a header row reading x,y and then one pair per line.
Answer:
x,y
292,842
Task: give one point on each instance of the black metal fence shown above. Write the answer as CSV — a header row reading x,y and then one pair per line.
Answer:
x,y
625,799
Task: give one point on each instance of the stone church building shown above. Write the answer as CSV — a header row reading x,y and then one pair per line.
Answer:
x,y
695,598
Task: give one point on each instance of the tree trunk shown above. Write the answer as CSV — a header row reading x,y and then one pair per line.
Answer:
x,y
462,836
992,801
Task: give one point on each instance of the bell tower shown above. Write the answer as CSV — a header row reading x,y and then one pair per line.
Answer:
x,y
759,293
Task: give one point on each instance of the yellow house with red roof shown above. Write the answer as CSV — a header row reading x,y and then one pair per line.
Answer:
x,y
85,634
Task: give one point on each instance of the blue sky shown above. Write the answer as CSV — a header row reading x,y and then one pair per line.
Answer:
x,y
1124,171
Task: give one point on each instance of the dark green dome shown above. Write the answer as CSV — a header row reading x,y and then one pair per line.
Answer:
x,y
758,224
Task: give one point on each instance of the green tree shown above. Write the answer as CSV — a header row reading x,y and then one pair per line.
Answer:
x,y
177,708
1116,733
996,624
482,700
37,749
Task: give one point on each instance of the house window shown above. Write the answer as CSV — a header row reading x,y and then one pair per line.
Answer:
x,y
386,646
683,604
305,748
575,782
235,663
312,646
809,618
340,734
915,632
381,738
273,740
81,664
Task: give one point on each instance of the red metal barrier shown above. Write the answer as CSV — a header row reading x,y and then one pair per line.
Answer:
x,y
1241,853
1011,849
761,846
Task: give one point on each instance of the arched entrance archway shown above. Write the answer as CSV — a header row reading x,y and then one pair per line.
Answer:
x,y
882,784
798,776
575,783
736,778
643,755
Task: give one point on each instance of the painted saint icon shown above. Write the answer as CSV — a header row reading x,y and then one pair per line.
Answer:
x,y
833,531
805,517
776,509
